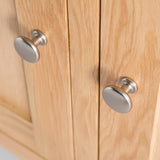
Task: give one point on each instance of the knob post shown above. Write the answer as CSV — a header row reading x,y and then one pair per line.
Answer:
x,y
126,88
36,40
128,85
39,38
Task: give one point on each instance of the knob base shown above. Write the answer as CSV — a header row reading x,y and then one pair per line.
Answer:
x,y
41,38
130,83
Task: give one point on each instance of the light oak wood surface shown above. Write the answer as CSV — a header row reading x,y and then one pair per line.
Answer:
x,y
53,109
17,148
84,58
130,36
15,120
12,81
48,81
16,127
155,142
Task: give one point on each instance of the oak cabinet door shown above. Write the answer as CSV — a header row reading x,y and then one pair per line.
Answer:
x,y
130,36
35,102
15,118
54,109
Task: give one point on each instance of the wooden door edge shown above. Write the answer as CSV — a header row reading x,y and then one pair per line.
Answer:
x,y
18,149
16,127
155,141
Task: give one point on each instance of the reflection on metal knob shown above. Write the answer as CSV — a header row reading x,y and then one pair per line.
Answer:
x,y
118,98
27,48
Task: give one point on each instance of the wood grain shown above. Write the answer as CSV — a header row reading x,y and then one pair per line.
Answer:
x,y
12,88
155,143
84,56
18,149
48,80
16,127
130,36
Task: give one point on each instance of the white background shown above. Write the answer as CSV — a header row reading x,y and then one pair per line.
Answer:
x,y
6,155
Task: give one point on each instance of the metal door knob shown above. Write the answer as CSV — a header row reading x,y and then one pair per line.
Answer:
x,y
117,98
27,48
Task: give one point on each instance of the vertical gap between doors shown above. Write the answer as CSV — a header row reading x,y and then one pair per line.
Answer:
x,y
99,80
67,6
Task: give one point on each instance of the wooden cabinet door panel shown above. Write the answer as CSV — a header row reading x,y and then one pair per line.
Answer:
x,y
48,81
130,35
15,120
50,109
13,88
35,113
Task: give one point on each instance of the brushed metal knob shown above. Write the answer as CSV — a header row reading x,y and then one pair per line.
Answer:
x,y
117,98
27,48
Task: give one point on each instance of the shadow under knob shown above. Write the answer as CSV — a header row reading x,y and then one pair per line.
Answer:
x,y
117,98
27,48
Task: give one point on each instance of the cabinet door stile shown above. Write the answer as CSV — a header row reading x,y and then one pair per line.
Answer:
x,y
84,58
130,35
12,88
48,81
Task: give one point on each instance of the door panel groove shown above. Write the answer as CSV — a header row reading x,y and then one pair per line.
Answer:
x,y
73,138
99,78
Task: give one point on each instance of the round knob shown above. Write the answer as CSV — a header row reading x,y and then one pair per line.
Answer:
x,y
117,98
27,48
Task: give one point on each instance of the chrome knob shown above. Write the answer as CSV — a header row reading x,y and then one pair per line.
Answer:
x,y
27,48
117,98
